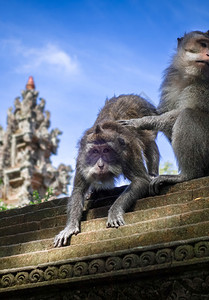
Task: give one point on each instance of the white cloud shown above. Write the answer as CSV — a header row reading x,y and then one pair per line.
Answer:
x,y
49,57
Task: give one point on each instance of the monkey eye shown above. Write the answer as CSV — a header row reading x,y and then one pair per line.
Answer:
x,y
204,45
95,151
121,141
106,150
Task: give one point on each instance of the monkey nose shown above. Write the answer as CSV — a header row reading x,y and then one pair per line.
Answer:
x,y
100,163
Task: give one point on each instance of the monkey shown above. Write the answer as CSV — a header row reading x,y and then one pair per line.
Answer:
x,y
183,110
108,150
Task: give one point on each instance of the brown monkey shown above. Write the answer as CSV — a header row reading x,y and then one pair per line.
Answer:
x,y
184,109
108,150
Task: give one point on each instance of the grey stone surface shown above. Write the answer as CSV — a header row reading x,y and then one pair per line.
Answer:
x,y
25,149
161,253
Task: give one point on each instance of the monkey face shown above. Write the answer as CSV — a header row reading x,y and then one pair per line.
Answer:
x,y
101,163
194,51
100,157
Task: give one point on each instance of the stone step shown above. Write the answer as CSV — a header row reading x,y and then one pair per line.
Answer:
x,y
196,184
57,207
179,220
200,185
30,216
33,208
73,252
184,186
48,209
143,211
33,228
196,211
148,215
107,198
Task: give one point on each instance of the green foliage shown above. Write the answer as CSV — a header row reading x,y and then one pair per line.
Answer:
x,y
3,206
37,198
49,194
168,168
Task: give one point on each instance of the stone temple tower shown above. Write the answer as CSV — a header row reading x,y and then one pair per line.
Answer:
x,y
25,149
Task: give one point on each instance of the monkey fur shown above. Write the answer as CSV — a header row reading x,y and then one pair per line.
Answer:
x,y
108,150
184,109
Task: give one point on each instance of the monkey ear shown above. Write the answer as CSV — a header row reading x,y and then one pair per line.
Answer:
x,y
121,141
179,41
98,129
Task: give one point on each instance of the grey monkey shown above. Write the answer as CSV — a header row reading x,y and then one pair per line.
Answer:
x,y
184,109
107,150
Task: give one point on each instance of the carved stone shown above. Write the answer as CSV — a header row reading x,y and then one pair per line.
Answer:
x,y
135,274
25,149
162,253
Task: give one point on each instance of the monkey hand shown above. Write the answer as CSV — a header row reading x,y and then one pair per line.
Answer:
x,y
115,217
140,123
130,122
62,238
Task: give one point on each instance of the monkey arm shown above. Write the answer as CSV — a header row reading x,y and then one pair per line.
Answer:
x,y
152,155
74,213
138,188
162,122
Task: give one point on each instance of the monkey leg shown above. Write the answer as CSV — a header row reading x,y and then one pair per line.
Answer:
x,y
160,180
137,189
190,138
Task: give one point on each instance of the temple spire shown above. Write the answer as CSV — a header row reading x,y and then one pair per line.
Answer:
x,y
30,84
25,149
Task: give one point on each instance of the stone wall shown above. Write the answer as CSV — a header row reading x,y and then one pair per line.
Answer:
x,y
161,253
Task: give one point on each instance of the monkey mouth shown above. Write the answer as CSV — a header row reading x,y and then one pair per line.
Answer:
x,y
102,176
203,62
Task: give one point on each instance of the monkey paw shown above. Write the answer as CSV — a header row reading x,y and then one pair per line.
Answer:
x,y
115,219
62,238
155,184
130,122
137,123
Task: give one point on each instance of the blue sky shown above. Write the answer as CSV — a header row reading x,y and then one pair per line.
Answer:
x,y
82,51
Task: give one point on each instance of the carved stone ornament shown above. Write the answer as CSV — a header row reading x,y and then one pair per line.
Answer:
x,y
160,265
25,149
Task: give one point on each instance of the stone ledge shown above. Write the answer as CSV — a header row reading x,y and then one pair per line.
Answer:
x,y
54,255
15,234
126,259
117,263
